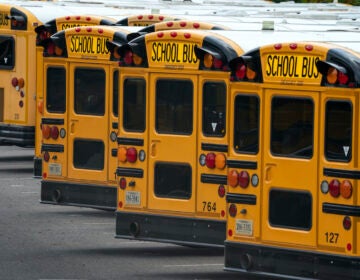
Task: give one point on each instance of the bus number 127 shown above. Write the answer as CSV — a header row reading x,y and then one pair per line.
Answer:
x,y
331,237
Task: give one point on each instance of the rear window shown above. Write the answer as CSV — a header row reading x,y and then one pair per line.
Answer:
x,y
338,130
134,105
7,52
214,109
292,127
173,180
89,91
88,154
174,107
290,209
56,90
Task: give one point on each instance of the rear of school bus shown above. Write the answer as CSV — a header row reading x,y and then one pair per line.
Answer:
x,y
43,33
294,211
79,122
17,75
173,137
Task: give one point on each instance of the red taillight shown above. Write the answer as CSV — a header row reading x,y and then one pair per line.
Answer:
x,y
210,160
244,179
217,63
230,232
14,82
128,57
54,132
240,71
347,222
46,156
343,78
334,188
50,48
131,154
122,183
221,191
232,210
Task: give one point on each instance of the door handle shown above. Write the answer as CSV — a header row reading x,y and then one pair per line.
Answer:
x,y
72,125
268,171
153,147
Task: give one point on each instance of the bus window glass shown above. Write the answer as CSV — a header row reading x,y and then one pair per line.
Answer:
x,y
174,107
115,93
292,127
90,91
246,124
7,52
290,209
173,180
214,104
338,131
56,90
88,154
134,105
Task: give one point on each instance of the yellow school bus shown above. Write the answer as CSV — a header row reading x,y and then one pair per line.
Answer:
x,y
173,135
44,31
144,19
17,74
79,120
293,165
182,24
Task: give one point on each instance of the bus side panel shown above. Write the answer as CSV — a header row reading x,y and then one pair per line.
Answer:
x,y
340,118
213,141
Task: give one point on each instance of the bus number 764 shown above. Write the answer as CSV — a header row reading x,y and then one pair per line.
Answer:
x,y
209,206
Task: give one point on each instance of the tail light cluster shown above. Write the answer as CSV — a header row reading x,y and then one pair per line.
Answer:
x,y
213,160
243,73
131,59
50,132
337,188
211,62
18,84
241,179
335,76
130,154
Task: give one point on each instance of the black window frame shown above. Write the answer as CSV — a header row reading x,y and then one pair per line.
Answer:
x,y
236,127
82,147
347,158
58,100
287,208
170,117
214,113
3,39
139,125
92,101
291,134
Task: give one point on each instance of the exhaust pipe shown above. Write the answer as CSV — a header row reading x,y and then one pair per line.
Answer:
x,y
246,261
56,196
134,229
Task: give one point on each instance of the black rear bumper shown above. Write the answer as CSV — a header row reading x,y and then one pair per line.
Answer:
x,y
75,194
170,229
23,136
289,264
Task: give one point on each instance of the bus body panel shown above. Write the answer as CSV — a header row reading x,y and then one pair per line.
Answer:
x,y
86,128
166,152
213,138
285,176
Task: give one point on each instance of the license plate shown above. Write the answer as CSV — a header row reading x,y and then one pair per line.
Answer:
x,y
132,198
244,227
55,169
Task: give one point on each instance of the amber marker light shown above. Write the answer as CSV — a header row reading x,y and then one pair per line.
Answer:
x,y
122,154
